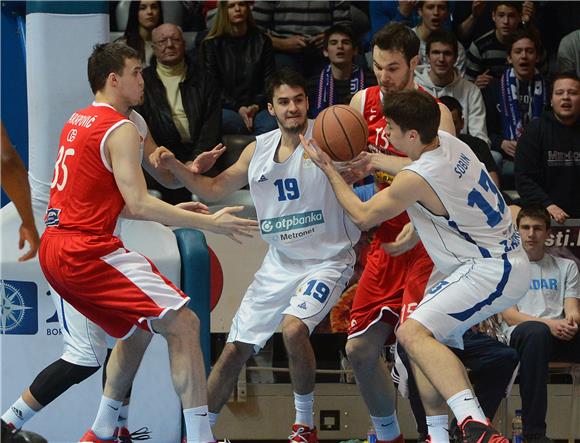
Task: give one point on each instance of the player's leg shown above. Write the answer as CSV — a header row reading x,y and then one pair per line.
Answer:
x,y
365,353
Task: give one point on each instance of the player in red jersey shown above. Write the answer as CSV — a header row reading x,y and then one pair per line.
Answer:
x,y
397,271
97,176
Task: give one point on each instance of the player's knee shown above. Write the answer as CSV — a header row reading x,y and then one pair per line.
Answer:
x,y
359,353
236,353
183,322
408,334
294,330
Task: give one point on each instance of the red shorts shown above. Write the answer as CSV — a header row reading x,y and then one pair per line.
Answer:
x,y
389,288
117,289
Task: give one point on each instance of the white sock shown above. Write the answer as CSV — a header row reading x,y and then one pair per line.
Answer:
x,y
304,405
123,420
386,428
18,414
464,404
438,428
106,420
213,416
197,425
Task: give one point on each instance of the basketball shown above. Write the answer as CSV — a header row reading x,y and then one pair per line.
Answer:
x,y
341,132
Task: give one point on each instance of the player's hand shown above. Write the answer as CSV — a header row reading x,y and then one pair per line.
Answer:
x,y
223,222
357,168
405,241
317,155
192,206
481,81
162,157
205,161
247,113
28,233
558,213
509,147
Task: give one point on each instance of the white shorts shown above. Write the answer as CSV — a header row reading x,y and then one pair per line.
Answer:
x,y
472,293
306,289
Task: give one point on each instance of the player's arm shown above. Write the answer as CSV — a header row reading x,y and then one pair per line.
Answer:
x,y
210,188
163,176
446,122
356,101
123,153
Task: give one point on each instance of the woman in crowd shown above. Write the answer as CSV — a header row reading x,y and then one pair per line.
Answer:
x,y
144,16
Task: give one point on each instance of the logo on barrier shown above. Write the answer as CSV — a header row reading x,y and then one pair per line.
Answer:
x,y
19,308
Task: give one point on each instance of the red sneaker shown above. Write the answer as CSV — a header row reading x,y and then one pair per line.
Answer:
x,y
90,437
475,431
303,433
399,439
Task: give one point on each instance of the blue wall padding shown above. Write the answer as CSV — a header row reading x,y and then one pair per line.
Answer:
x,y
195,281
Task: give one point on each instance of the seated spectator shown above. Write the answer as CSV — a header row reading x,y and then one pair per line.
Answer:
x,y
341,78
181,105
547,166
402,11
433,15
569,53
515,99
543,326
144,16
487,55
240,58
297,30
441,77
479,147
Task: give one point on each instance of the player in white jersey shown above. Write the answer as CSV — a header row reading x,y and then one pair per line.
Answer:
x,y
466,228
310,258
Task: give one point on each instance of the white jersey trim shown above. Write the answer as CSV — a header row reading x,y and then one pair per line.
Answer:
x,y
104,139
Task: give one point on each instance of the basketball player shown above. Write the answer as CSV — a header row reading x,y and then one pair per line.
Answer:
x,y
121,291
397,272
467,230
310,258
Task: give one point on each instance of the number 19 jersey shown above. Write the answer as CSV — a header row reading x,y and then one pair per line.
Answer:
x,y
479,223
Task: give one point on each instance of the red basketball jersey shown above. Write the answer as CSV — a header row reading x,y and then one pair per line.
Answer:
x,y
84,195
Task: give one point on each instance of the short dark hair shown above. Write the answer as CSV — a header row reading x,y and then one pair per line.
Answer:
x,y
107,58
339,29
534,211
285,76
397,37
565,74
452,104
413,110
442,36
419,5
515,5
520,34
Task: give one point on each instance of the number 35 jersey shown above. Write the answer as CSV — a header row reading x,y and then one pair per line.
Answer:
x,y
297,210
479,223
84,195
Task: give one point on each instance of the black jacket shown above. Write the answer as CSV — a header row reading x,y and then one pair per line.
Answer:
x,y
240,66
201,101
547,165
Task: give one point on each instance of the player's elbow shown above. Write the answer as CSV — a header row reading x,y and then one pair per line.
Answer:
x,y
362,220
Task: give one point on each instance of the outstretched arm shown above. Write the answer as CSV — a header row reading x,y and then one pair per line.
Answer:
x,y
15,184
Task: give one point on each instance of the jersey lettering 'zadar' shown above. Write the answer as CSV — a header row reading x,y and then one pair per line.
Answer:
x,y
84,195
297,210
479,223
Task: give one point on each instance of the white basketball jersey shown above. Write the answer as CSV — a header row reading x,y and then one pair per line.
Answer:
x,y
479,223
297,210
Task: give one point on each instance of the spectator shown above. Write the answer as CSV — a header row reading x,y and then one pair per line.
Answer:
x,y
515,99
487,55
441,77
181,106
383,13
297,30
569,53
241,59
433,15
477,145
547,166
144,16
15,184
543,326
341,78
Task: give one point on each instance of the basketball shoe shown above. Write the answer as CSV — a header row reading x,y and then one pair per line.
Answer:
x,y
474,431
125,436
90,437
12,435
303,433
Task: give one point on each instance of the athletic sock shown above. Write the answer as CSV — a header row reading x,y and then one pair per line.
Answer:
x,y
437,426
304,405
213,416
464,404
106,420
123,420
18,414
386,428
197,426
